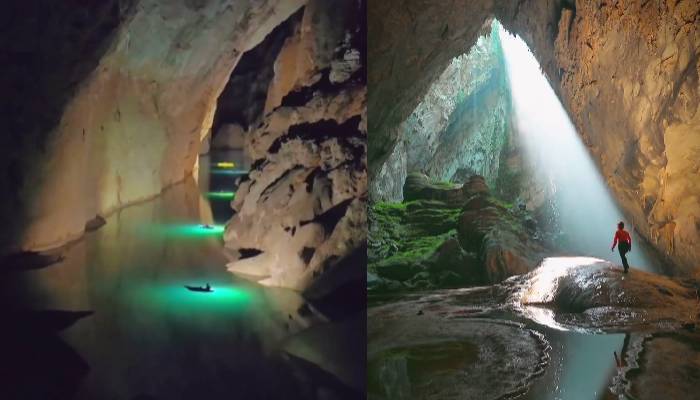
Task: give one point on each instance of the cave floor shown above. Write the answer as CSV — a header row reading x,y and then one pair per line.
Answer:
x,y
151,338
657,354
578,366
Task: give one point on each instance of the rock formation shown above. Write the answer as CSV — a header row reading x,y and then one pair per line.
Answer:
x,y
303,206
229,136
134,123
662,365
434,357
447,235
591,294
157,82
626,72
460,127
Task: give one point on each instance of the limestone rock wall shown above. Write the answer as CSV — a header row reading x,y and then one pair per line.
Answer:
x,y
47,48
303,207
458,129
629,78
627,73
135,123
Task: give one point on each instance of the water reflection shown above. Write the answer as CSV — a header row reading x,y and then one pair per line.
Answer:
x,y
151,336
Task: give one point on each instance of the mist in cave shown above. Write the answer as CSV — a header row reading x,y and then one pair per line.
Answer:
x,y
587,214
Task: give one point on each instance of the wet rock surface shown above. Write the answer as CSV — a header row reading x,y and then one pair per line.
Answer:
x,y
663,366
427,357
572,301
588,293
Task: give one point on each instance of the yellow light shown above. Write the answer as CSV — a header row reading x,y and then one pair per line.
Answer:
x,y
225,164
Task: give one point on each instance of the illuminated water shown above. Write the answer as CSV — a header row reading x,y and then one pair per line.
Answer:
x,y
150,336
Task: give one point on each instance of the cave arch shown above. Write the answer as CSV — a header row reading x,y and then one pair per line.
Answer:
x,y
628,113
133,125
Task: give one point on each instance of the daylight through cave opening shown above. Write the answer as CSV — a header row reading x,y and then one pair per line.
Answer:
x,y
584,210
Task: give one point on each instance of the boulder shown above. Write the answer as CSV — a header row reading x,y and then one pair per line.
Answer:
x,y
420,186
229,136
506,241
589,293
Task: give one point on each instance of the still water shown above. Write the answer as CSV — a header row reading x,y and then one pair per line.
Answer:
x,y
149,337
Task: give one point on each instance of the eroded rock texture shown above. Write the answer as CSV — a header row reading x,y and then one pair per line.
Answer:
x,y
447,235
303,206
589,293
432,357
629,78
627,73
460,126
149,75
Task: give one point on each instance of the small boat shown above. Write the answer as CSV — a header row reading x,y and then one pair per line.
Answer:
x,y
205,289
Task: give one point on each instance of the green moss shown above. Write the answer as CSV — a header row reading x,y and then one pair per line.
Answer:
x,y
444,184
403,235
501,203
416,247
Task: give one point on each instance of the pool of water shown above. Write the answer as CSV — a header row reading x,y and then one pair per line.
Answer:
x,y
149,336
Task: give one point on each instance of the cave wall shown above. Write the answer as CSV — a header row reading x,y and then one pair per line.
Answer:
x,y
243,99
460,126
626,72
629,78
46,49
134,123
303,206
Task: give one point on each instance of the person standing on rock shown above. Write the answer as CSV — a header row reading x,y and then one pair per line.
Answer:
x,y
625,244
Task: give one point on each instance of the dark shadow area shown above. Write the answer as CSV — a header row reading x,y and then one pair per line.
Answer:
x,y
243,99
348,280
27,260
36,362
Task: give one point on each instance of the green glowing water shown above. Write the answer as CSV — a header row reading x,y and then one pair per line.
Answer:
x,y
221,195
182,230
174,298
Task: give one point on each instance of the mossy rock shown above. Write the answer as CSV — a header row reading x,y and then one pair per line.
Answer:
x,y
404,239
419,187
431,243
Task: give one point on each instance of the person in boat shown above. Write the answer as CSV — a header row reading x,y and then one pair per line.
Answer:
x,y
207,226
207,287
625,243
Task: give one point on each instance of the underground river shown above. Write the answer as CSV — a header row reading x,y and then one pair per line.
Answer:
x,y
148,336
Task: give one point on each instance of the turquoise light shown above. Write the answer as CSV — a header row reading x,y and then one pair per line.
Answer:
x,y
175,298
231,172
184,230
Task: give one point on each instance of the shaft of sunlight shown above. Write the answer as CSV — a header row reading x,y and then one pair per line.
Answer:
x,y
588,214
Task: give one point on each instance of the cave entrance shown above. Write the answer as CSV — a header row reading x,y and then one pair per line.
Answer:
x,y
493,113
223,157
557,160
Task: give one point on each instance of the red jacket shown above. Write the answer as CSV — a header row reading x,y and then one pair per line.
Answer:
x,y
623,236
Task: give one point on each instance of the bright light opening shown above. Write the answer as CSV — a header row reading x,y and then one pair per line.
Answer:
x,y
588,215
